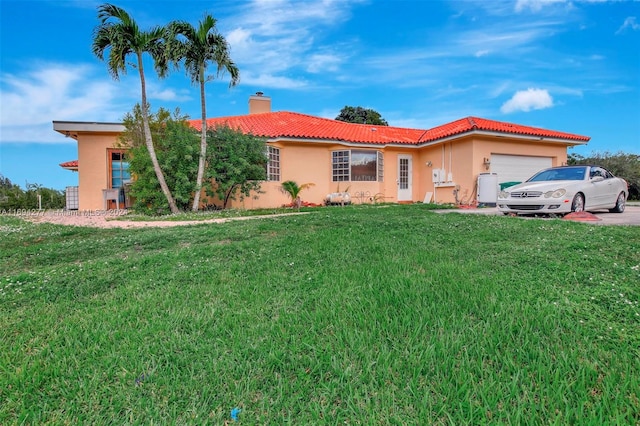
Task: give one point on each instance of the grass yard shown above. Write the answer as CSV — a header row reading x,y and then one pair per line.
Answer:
x,y
355,315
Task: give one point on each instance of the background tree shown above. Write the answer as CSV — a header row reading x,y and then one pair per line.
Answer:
x,y
176,144
236,163
626,166
196,48
120,34
361,115
13,197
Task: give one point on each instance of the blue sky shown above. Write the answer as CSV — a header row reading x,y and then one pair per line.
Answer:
x,y
572,66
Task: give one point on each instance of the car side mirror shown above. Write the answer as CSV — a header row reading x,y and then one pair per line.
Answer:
x,y
597,179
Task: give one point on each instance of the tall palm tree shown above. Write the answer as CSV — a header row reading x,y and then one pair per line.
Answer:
x,y
197,47
120,34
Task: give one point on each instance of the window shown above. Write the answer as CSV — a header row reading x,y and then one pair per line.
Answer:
x,y
340,161
118,169
273,163
599,171
119,174
357,166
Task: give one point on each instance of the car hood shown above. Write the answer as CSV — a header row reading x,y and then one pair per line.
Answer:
x,y
549,185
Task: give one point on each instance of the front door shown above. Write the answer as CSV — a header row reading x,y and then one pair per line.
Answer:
x,y
404,180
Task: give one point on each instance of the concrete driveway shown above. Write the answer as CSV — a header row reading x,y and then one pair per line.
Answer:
x,y
631,215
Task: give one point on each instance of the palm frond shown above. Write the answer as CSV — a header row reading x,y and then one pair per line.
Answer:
x,y
292,188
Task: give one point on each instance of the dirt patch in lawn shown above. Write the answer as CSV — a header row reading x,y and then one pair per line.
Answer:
x,y
95,220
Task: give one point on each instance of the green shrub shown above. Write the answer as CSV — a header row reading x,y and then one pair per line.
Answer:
x,y
236,163
177,146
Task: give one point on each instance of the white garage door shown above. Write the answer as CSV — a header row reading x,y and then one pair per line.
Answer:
x,y
517,168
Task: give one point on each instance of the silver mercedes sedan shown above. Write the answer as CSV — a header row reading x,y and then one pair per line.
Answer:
x,y
566,189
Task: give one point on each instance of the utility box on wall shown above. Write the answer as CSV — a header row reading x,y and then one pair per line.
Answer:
x,y
488,189
438,175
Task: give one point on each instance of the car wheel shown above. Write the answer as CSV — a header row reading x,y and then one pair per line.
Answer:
x,y
620,204
578,203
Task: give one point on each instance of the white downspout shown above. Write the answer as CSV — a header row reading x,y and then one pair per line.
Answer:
x,y
450,174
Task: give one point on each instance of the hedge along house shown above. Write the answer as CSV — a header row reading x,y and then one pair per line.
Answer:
x,y
374,163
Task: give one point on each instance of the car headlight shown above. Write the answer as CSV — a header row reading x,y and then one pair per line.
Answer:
x,y
555,194
503,194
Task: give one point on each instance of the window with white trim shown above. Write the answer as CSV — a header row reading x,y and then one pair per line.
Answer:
x,y
340,161
273,163
119,174
357,165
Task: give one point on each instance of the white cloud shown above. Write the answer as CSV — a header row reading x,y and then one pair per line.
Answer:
x,y
51,89
630,23
427,65
34,98
266,80
512,36
239,39
279,37
328,113
570,91
534,5
527,100
323,63
499,90
157,91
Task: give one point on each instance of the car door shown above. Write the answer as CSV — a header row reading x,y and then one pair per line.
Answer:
x,y
615,187
602,188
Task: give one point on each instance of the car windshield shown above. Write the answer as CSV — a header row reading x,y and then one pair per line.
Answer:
x,y
565,173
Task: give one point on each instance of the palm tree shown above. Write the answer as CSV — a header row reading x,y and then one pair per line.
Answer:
x,y
197,47
119,33
292,189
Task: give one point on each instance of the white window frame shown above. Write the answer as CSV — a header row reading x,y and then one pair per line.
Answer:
x,y
273,163
341,165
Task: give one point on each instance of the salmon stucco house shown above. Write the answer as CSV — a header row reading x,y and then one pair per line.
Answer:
x,y
464,161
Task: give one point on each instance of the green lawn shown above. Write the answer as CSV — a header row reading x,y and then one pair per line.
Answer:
x,y
355,315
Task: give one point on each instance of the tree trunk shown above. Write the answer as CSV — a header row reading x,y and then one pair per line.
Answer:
x,y
228,195
149,141
203,145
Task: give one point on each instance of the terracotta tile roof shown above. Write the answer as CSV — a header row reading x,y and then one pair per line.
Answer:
x,y
70,165
301,126
481,124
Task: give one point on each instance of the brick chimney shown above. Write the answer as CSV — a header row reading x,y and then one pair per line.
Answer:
x,y
259,103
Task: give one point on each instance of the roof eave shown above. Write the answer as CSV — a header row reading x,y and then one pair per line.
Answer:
x,y
577,140
518,136
71,129
338,142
